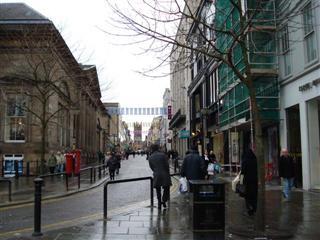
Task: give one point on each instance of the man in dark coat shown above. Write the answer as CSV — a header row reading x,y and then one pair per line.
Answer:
x,y
158,162
249,169
193,166
286,172
112,164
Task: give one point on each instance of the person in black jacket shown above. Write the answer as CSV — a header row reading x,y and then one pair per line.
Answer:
x,y
158,162
112,164
286,172
249,169
193,166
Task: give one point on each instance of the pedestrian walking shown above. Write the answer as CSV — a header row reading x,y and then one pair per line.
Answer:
x,y
52,162
118,157
159,164
60,162
249,170
112,165
193,166
286,172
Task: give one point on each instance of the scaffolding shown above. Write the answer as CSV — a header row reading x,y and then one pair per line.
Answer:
x,y
233,93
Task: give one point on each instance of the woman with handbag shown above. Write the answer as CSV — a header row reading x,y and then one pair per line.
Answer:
x,y
249,170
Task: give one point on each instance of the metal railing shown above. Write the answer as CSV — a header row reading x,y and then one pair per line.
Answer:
x,y
105,191
231,167
92,170
9,187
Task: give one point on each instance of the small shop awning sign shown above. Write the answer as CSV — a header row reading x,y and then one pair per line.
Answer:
x,y
184,134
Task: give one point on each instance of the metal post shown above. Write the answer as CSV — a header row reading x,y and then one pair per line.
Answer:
x,y
99,172
78,180
16,172
37,207
67,183
10,191
105,201
28,169
2,168
94,174
151,192
91,169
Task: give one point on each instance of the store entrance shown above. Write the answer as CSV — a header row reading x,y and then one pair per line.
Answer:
x,y
294,141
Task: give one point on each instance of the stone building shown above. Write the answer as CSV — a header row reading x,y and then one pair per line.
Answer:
x,y
49,102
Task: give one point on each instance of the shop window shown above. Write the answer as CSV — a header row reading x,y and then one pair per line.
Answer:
x,y
15,119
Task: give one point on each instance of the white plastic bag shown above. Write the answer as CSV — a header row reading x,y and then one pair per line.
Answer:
x,y
183,185
210,169
235,181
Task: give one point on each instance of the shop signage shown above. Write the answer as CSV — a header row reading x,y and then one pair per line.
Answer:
x,y
309,85
184,134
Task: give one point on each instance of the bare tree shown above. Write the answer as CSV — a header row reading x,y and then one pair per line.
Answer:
x,y
211,33
42,68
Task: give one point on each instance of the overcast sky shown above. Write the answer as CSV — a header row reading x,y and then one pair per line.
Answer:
x,y
80,22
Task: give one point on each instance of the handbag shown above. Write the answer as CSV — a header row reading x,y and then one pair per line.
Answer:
x,y
241,189
183,185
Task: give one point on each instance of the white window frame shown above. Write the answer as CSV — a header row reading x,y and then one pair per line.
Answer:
x,y
308,35
7,124
285,50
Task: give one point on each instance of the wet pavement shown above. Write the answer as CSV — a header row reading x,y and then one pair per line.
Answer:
x,y
300,217
81,207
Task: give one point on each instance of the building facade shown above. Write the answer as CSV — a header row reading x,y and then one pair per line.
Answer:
x,y
49,102
165,132
235,115
112,109
180,78
299,65
137,136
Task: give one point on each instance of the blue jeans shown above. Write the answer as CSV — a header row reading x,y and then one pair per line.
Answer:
x,y
287,185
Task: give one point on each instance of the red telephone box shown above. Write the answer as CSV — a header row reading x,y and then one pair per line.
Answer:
x,y
69,163
77,160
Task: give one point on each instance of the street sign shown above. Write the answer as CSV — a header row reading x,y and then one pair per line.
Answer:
x,y
184,134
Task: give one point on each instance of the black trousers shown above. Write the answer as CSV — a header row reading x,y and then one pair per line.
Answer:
x,y
165,195
251,197
111,173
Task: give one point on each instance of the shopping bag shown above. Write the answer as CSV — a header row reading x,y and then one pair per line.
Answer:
x,y
183,185
217,168
210,169
235,181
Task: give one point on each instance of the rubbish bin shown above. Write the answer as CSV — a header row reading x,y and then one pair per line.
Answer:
x,y
208,205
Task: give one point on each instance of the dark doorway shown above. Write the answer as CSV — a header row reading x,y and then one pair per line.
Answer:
x,y
294,141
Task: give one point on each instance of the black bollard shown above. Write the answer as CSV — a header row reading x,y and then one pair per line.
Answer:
x,y
105,201
37,207
99,172
28,169
67,181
